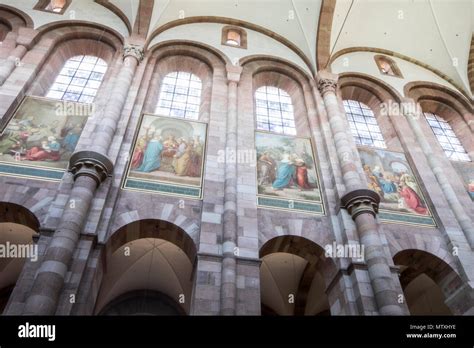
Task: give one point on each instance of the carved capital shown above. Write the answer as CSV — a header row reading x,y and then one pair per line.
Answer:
x,y
327,85
363,201
134,51
91,164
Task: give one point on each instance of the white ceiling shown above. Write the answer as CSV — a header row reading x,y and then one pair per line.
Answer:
x,y
435,32
296,20
80,10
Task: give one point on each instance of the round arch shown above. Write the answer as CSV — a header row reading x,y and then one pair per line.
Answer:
x,y
374,93
71,40
18,226
296,267
15,213
15,18
274,72
235,22
427,282
147,256
172,56
448,104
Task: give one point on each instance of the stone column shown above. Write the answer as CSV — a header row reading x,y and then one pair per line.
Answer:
x,y
90,168
412,112
229,268
105,130
361,203
24,42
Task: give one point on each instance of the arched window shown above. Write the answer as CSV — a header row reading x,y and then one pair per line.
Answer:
x,y
363,124
180,95
79,80
274,110
447,139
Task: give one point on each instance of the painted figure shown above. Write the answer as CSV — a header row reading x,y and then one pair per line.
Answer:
x,y
266,167
285,173
152,155
302,175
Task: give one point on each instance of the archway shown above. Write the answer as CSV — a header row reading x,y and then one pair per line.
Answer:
x,y
17,228
148,268
427,282
294,276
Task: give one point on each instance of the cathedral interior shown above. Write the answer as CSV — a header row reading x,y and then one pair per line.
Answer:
x,y
236,157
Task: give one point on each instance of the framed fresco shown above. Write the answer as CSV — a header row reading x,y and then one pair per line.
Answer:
x,y
287,176
40,137
167,157
390,175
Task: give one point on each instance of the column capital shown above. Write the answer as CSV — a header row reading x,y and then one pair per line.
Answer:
x,y
91,164
233,72
326,86
361,201
326,82
135,51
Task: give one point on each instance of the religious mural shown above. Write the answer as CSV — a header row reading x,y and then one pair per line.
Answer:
x,y
390,175
167,156
40,138
287,177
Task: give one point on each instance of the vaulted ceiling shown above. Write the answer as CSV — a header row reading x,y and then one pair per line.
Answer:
x,y
436,33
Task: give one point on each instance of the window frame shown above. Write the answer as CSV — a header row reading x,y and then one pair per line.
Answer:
x,y
240,31
393,65
358,113
63,82
173,95
277,111
444,125
42,5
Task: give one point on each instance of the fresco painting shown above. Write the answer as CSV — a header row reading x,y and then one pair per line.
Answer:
x,y
168,156
40,138
287,176
390,175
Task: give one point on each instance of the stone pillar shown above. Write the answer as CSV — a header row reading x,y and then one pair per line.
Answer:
x,y
90,168
24,42
361,203
229,267
412,112
105,130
